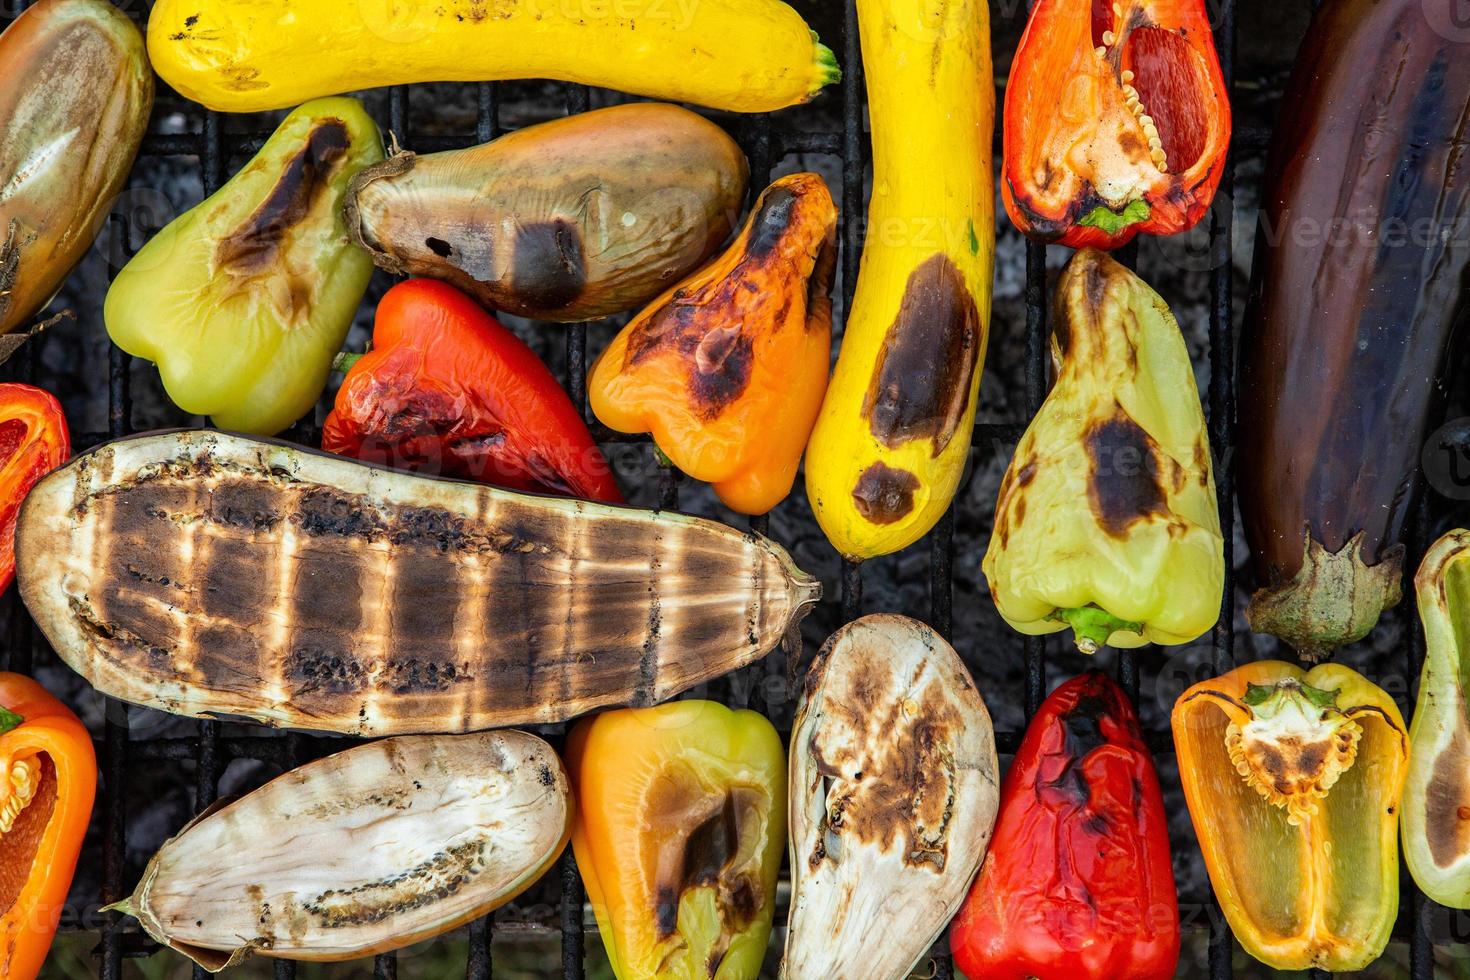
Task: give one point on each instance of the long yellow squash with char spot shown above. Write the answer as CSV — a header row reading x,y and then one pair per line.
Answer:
x,y
740,55
894,432
210,574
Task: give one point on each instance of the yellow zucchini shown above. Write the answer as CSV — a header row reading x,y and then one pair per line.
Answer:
x,y
741,55
891,442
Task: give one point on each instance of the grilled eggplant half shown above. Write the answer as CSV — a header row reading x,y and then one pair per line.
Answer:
x,y
569,220
364,851
212,574
73,111
893,796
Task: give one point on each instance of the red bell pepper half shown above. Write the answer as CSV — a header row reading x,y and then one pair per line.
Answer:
x,y
33,441
1077,884
447,390
1117,120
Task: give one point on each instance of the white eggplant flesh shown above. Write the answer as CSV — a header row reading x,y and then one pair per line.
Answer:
x,y
893,797
361,852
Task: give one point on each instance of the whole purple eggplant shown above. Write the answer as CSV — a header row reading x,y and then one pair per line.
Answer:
x,y
1360,279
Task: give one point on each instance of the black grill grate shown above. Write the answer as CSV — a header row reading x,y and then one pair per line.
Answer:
x,y
766,140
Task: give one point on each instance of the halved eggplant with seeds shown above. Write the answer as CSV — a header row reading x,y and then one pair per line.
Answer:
x,y
206,574
893,795
364,851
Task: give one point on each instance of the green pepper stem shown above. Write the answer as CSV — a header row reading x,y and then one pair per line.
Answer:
x,y
343,362
1112,222
9,720
1092,626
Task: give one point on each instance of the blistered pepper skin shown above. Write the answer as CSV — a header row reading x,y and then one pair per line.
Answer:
x,y
728,368
1293,780
1078,883
244,300
1106,519
447,390
681,823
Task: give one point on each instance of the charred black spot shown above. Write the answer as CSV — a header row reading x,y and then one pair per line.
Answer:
x,y
711,846
921,383
544,776
254,245
777,209
243,504
439,247
1123,479
548,268
665,910
722,365
1082,726
191,20
884,494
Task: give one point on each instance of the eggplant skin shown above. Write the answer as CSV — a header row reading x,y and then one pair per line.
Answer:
x,y
893,796
1358,287
211,574
73,112
361,852
569,220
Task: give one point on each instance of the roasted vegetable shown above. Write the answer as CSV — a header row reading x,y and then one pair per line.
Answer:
x,y
572,219
48,777
1117,120
742,55
1106,520
728,368
34,440
72,114
681,817
1358,288
244,300
379,602
893,775
1293,781
1078,883
1436,813
894,432
447,390
367,850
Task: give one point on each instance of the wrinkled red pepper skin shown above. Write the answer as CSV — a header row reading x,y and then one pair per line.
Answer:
x,y
1077,884
447,390
34,440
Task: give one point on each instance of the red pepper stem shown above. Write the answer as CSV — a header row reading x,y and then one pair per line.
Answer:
x,y
9,720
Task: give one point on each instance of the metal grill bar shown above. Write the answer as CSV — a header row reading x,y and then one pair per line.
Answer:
x,y
766,146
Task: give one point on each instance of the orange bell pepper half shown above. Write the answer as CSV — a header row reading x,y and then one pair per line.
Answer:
x,y
728,368
680,827
33,441
1117,120
1293,780
48,778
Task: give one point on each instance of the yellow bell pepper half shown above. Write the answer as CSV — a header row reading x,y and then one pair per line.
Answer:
x,y
1106,521
1293,781
244,300
681,823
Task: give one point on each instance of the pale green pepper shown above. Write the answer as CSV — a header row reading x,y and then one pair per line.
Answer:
x,y
244,300
1106,521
